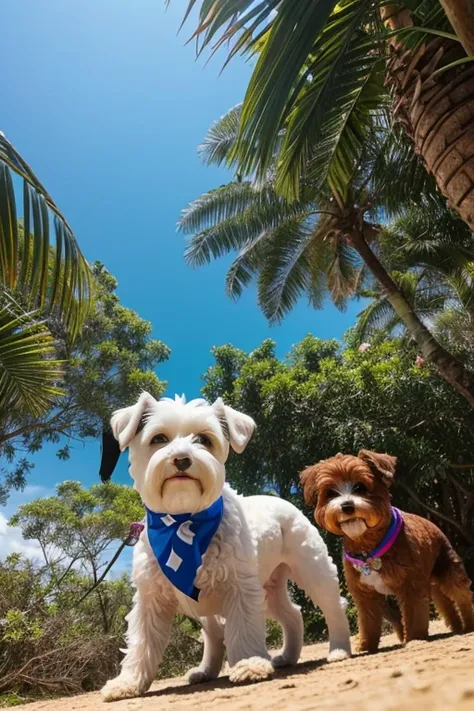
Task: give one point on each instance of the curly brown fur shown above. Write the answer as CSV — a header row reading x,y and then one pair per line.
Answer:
x,y
351,499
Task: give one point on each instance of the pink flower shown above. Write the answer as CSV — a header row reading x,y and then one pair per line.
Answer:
x,y
419,362
363,347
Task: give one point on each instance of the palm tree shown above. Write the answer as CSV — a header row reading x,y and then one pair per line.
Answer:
x,y
430,254
40,280
314,245
315,61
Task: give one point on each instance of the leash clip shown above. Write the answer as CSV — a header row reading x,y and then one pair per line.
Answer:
x,y
134,534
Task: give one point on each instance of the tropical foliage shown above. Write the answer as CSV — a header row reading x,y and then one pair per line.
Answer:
x,y
51,276
322,399
326,242
110,362
430,255
330,72
58,632
41,278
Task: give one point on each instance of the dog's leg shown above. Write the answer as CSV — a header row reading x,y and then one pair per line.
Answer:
x,y
447,610
149,626
313,570
245,631
414,601
392,614
281,608
370,611
211,664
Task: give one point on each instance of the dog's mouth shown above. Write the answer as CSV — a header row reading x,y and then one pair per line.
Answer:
x,y
354,527
179,476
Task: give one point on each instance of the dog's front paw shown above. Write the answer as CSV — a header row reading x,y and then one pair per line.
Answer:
x,y
280,661
252,669
199,676
122,687
364,647
337,655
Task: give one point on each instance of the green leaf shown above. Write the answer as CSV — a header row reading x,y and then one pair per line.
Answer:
x,y
246,264
294,28
26,252
286,273
221,138
334,110
28,373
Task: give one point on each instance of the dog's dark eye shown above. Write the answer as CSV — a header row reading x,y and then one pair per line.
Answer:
x,y
203,439
359,489
331,494
159,439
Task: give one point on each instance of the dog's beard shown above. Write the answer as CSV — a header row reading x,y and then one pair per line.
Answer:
x,y
162,489
181,495
354,528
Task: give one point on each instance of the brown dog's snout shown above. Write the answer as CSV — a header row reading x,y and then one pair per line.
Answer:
x,y
347,507
182,463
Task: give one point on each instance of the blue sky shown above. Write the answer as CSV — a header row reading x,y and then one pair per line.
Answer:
x,y
108,105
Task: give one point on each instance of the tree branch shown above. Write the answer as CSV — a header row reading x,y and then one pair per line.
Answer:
x,y
36,425
98,581
435,512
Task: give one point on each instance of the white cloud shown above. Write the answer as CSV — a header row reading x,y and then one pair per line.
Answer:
x,y
12,541
35,492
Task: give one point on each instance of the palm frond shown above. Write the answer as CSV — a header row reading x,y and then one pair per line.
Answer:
x,y
345,131
224,237
443,257
287,273
233,200
231,217
429,293
396,176
52,276
342,272
377,316
277,77
336,107
217,205
28,373
462,283
221,138
223,21
245,265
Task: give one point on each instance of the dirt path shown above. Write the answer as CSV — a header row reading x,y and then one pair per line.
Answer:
x,y
433,675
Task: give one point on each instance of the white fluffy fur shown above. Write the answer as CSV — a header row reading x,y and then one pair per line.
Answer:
x,y
261,542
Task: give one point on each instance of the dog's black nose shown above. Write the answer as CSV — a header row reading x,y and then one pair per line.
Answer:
x,y
347,507
182,463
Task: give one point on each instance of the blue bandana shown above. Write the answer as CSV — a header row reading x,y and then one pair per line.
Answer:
x,y
180,541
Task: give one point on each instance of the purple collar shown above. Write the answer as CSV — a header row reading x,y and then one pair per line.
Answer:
x,y
364,562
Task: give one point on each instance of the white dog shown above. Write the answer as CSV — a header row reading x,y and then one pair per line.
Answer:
x,y
177,461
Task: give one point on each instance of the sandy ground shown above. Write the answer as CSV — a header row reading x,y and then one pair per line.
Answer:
x,y
437,674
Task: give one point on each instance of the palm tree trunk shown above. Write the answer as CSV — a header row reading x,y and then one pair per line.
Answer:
x,y
461,16
437,112
449,367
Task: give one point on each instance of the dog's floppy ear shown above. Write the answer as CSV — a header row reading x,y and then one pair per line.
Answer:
x,y
128,421
125,424
240,427
382,464
309,482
